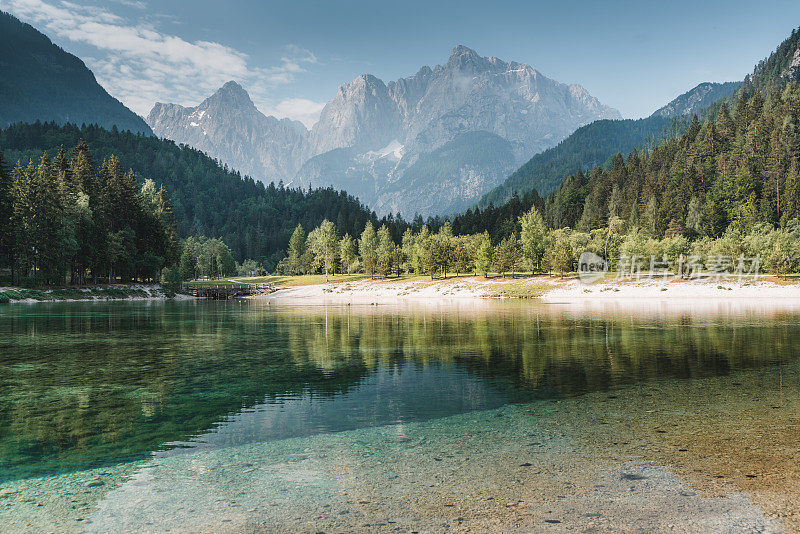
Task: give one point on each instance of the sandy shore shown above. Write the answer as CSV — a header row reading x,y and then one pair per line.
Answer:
x,y
547,289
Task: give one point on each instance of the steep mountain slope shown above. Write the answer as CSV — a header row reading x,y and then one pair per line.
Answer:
x,y
371,133
595,143
41,82
782,65
228,126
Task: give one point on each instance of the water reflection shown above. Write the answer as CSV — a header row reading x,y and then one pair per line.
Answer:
x,y
84,384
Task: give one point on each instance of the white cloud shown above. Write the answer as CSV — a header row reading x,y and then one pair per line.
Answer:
x,y
140,65
300,109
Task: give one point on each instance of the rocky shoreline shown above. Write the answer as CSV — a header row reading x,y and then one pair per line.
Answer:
x,y
97,293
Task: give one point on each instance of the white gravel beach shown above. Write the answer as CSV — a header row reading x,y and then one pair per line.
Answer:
x,y
763,291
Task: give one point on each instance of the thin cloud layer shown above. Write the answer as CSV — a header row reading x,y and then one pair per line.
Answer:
x,y
141,65
299,109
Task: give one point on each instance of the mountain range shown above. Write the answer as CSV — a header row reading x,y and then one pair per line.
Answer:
x,y
432,143
41,82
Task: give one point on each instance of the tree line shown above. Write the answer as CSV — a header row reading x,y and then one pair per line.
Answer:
x,y
429,252
67,219
254,219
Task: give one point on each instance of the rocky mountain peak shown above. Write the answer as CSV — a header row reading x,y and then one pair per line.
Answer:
x,y
231,95
697,99
465,58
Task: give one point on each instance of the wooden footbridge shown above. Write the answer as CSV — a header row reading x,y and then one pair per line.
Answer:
x,y
224,291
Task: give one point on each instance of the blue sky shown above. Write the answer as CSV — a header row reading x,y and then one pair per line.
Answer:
x,y
292,55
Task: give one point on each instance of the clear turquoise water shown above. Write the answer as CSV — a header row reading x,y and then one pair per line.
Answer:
x,y
90,384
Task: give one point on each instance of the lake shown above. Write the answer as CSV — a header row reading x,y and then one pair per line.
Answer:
x,y
249,415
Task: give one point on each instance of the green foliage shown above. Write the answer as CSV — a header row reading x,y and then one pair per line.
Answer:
x,y
734,171
206,257
559,255
499,221
533,236
255,220
323,244
69,221
296,257
771,73
368,248
484,254
347,253
171,278
385,252
507,255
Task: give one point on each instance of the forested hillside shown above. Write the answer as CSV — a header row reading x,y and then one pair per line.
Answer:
x,y
595,143
782,65
40,81
736,170
208,199
588,146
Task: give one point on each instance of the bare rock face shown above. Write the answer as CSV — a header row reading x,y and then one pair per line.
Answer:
x,y
793,71
512,100
431,143
362,115
229,127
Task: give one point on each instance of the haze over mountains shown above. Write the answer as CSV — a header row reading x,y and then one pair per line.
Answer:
x,y
431,143
595,143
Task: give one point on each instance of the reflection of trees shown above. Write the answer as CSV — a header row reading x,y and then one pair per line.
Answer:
x,y
88,383
538,351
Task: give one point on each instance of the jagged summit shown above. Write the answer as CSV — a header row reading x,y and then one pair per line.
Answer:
x,y
231,94
227,125
462,57
430,143
461,51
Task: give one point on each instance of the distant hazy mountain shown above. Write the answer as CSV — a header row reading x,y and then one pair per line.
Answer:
x,y
228,126
699,98
431,143
40,81
594,143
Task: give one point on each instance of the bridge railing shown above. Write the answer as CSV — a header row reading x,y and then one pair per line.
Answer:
x,y
225,289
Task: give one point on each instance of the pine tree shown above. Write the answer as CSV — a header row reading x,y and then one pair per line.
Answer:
x,y
22,220
323,243
507,255
6,211
484,254
424,259
408,246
